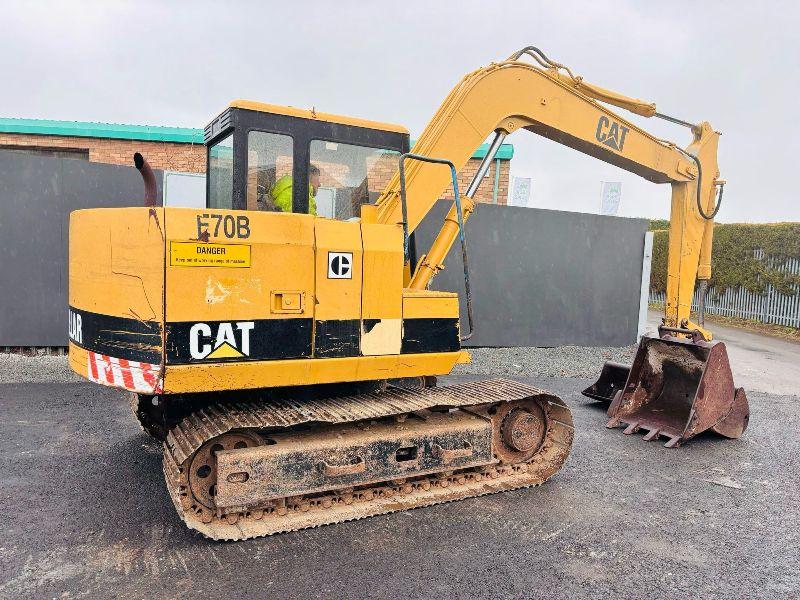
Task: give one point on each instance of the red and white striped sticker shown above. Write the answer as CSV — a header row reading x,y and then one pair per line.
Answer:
x,y
140,377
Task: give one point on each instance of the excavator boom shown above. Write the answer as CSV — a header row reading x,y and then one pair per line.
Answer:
x,y
502,98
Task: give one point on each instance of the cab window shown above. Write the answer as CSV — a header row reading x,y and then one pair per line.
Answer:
x,y
220,173
269,172
342,177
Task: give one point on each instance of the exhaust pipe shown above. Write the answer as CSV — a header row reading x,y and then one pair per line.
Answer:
x,y
150,189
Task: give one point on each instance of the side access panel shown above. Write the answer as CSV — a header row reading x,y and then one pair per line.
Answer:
x,y
430,322
382,296
337,310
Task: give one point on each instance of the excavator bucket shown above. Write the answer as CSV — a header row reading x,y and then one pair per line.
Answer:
x,y
612,379
676,388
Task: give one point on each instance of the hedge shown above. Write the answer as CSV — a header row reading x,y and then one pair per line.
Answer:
x,y
734,261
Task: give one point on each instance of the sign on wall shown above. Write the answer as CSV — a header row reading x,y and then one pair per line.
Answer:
x,y
610,196
520,191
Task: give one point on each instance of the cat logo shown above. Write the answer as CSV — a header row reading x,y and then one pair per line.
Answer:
x,y
611,133
227,342
340,265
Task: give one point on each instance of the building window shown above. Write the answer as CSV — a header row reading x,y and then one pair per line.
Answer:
x,y
52,152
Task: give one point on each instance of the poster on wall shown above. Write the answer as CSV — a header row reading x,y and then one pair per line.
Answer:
x,y
520,191
610,195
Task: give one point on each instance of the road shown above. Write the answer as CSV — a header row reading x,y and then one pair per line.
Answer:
x,y
759,362
86,514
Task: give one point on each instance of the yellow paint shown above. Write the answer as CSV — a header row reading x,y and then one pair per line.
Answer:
x,y
382,271
690,236
199,254
317,116
514,95
221,289
427,304
119,263
258,374
282,258
464,358
116,262
381,296
385,337
286,302
225,350
78,360
337,298
509,96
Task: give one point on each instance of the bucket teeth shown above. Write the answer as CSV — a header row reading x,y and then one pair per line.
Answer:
x,y
651,435
631,429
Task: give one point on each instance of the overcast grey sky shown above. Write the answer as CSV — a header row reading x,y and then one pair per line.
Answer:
x,y
733,63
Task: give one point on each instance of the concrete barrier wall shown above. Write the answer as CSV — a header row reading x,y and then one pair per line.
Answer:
x,y
36,196
545,278
540,277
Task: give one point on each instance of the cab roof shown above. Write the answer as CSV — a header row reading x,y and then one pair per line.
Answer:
x,y
319,116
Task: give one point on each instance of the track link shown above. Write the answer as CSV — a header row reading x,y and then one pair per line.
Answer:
x,y
298,512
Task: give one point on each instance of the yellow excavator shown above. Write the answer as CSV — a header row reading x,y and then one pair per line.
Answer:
x,y
283,342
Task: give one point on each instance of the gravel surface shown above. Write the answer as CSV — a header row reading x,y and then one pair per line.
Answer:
x,y
564,361
18,368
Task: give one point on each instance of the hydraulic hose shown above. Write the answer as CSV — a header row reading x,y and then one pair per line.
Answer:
x,y
699,187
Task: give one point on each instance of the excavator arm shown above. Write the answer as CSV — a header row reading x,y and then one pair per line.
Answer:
x,y
680,383
549,100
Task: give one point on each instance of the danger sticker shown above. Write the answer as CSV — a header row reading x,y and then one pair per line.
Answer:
x,y
194,254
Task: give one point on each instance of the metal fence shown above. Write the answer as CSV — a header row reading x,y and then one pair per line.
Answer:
x,y
769,307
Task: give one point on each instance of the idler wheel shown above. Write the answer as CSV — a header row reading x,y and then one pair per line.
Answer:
x,y
520,429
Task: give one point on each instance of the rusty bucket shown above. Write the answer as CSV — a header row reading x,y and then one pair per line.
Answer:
x,y
612,379
676,388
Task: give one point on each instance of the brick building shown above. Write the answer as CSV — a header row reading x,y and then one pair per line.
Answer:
x,y
181,149
168,148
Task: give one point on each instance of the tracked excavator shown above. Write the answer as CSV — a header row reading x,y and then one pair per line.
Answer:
x,y
287,358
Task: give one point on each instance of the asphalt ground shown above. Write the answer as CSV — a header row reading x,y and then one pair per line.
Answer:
x,y
86,514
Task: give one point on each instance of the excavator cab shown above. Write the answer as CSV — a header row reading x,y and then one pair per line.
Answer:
x,y
269,158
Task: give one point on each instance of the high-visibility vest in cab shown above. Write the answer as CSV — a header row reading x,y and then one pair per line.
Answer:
x,y
282,195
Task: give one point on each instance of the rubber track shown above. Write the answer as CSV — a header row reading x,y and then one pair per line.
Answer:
x,y
197,428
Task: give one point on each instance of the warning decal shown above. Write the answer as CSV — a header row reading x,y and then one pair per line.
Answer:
x,y
198,254
129,374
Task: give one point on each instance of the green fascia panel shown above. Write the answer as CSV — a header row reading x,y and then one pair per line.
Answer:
x,y
181,135
506,151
